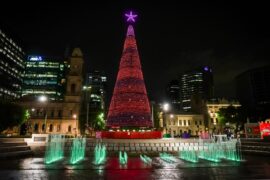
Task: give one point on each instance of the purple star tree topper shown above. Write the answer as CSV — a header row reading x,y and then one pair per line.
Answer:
x,y
131,17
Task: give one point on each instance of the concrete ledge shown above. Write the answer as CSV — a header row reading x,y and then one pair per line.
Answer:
x,y
151,145
255,152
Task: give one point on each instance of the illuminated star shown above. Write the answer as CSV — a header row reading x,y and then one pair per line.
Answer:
x,y
131,17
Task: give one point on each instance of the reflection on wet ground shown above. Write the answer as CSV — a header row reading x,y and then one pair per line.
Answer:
x,y
253,167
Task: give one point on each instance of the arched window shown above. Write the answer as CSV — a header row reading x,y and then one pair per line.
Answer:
x,y
69,128
73,88
36,128
43,127
58,128
51,128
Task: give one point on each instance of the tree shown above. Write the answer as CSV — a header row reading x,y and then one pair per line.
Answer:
x,y
156,113
231,114
198,105
99,122
12,115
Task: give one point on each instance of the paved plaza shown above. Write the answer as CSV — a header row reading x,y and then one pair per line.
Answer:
x,y
254,167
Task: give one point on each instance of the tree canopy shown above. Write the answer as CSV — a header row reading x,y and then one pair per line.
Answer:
x,y
231,114
12,115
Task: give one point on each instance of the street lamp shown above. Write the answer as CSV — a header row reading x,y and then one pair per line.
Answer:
x,y
165,108
44,99
87,89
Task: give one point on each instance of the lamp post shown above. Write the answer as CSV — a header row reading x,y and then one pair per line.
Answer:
x,y
75,118
44,99
87,89
165,108
29,126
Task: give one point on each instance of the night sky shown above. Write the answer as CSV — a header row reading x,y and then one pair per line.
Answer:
x,y
171,37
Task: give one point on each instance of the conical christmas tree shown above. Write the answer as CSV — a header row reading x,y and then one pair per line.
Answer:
x,y
129,104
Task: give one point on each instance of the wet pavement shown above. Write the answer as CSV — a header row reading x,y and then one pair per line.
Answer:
x,y
254,167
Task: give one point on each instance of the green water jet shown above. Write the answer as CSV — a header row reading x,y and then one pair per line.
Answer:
x,y
145,159
99,154
55,148
123,158
189,155
167,157
78,150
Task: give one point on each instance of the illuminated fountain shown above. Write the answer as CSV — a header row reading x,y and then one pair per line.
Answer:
x,y
100,154
167,157
231,152
189,155
145,159
78,150
123,158
55,148
212,151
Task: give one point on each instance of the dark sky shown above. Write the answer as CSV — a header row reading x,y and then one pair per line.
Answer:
x,y
171,37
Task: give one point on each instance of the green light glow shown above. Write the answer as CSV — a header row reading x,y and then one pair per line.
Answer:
x,y
123,158
100,154
145,159
231,151
210,152
223,150
55,148
189,155
78,150
101,116
167,157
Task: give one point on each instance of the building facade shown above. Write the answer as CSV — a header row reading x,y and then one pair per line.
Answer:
x,y
60,116
213,107
11,68
173,93
44,76
96,80
177,124
197,82
252,90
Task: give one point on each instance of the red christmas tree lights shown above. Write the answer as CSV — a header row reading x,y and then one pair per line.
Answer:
x,y
129,104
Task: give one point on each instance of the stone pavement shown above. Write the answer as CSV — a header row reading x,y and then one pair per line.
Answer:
x,y
34,168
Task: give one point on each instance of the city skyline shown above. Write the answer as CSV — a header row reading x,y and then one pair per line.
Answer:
x,y
171,39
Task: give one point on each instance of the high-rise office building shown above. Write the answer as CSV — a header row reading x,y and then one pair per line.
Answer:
x,y
197,82
173,93
47,115
44,76
11,67
97,81
252,90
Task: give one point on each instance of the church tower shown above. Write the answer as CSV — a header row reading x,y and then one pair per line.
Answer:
x,y
75,77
